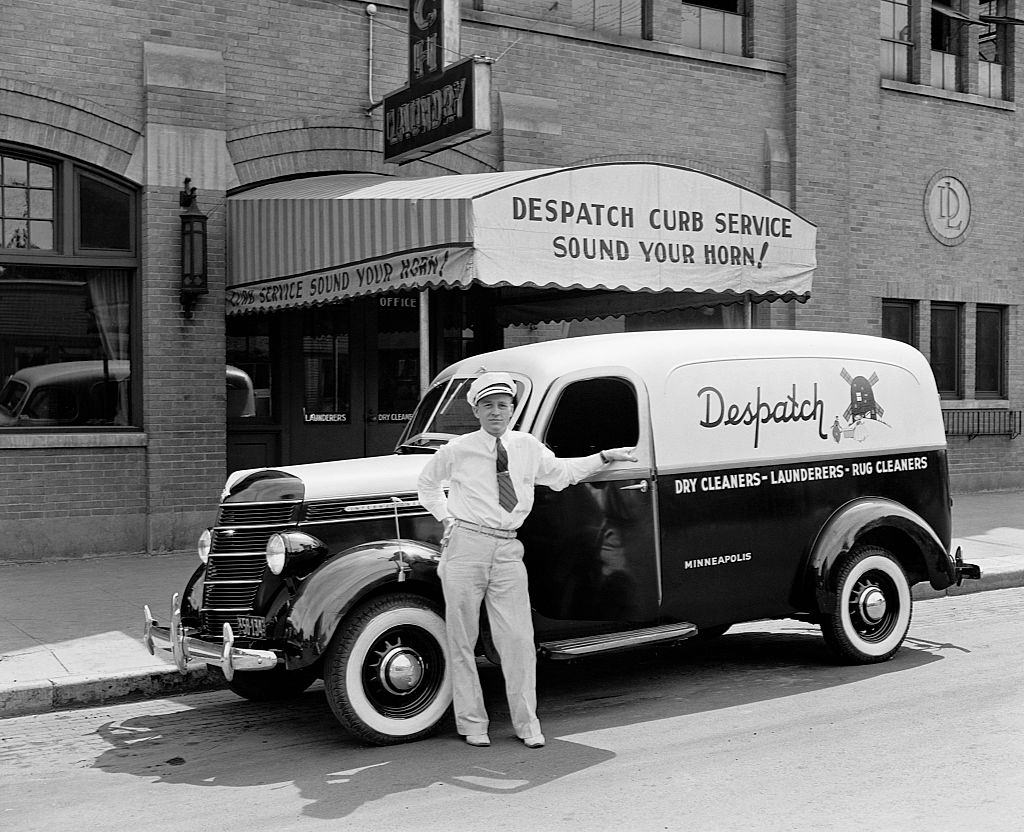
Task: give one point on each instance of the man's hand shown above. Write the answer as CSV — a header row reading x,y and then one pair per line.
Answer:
x,y
449,524
619,455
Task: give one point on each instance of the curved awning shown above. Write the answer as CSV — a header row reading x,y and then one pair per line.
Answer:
x,y
624,226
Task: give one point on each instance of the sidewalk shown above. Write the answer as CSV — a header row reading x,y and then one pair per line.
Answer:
x,y
71,631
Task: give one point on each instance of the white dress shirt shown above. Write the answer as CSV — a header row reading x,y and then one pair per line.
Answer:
x,y
467,466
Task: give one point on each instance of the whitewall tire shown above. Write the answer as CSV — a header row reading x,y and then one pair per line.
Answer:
x,y
872,609
386,674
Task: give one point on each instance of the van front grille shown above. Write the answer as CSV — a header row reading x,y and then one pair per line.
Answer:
x,y
241,540
237,562
235,568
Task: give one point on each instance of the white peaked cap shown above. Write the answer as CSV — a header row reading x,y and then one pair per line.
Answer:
x,y
488,384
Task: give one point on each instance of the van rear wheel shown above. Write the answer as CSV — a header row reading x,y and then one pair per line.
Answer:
x,y
871,613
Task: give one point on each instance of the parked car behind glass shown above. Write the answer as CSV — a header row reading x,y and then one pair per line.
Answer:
x,y
96,392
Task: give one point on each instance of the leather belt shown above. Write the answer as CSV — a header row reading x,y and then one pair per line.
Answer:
x,y
507,534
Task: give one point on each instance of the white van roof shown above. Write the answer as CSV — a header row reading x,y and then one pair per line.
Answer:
x,y
653,354
722,397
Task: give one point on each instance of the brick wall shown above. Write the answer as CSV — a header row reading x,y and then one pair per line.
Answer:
x,y
66,502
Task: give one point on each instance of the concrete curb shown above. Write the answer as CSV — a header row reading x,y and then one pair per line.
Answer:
x,y
23,699
1001,579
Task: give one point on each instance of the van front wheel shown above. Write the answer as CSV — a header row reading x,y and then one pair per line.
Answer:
x,y
386,677
872,609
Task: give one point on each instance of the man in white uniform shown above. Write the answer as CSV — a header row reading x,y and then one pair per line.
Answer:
x,y
491,474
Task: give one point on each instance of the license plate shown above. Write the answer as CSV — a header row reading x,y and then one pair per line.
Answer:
x,y
252,626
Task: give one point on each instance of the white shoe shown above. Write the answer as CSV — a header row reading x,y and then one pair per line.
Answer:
x,y
481,740
536,741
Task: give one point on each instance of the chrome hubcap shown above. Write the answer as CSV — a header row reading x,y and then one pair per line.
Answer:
x,y
401,670
872,604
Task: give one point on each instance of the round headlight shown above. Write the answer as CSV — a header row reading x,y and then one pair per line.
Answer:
x,y
276,553
204,545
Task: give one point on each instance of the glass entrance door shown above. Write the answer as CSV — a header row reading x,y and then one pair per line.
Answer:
x,y
392,368
356,379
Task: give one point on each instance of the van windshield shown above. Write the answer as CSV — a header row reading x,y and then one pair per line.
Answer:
x,y
11,395
442,414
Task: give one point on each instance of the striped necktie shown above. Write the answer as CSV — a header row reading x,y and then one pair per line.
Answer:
x,y
506,491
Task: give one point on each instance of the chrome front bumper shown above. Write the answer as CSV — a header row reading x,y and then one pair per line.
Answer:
x,y
182,646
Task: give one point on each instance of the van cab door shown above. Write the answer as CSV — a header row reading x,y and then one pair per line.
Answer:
x,y
592,549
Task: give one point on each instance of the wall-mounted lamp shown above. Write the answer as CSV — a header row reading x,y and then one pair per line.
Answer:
x,y
193,250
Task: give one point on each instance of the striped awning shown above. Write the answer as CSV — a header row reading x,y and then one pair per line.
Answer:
x,y
636,226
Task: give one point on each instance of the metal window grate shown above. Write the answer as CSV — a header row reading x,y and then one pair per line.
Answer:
x,y
982,422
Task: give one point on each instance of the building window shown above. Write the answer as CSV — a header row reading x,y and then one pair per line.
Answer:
x,y
66,314
947,25
104,215
896,42
26,203
714,25
616,17
990,353
946,349
899,321
992,51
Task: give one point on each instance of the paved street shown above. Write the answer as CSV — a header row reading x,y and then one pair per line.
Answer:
x,y
757,731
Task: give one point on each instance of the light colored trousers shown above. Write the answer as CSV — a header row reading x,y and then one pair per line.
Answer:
x,y
477,567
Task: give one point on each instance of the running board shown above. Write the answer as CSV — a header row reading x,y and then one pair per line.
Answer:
x,y
571,648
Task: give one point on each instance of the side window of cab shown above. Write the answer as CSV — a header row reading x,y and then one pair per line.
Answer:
x,y
593,414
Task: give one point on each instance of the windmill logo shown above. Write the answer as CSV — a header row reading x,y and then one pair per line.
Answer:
x,y
863,406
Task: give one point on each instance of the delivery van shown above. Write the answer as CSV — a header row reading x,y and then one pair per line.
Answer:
x,y
779,474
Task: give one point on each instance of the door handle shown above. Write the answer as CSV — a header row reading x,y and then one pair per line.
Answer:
x,y
371,416
640,486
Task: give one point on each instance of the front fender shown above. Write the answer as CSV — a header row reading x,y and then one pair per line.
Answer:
x,y
335,587
192,597
868,517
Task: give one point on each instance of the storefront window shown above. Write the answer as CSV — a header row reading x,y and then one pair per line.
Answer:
x,y
66,313
327,366
248,350
65,346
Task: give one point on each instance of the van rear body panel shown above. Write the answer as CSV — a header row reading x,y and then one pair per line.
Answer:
x,y
736,542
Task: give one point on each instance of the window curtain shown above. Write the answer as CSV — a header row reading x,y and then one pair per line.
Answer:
x,y
110,298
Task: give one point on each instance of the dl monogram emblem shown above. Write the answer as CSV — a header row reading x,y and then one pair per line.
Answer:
x,y
947,208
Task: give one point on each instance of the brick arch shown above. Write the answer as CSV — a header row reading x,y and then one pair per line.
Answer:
x,y
303,146
684,162
48,119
